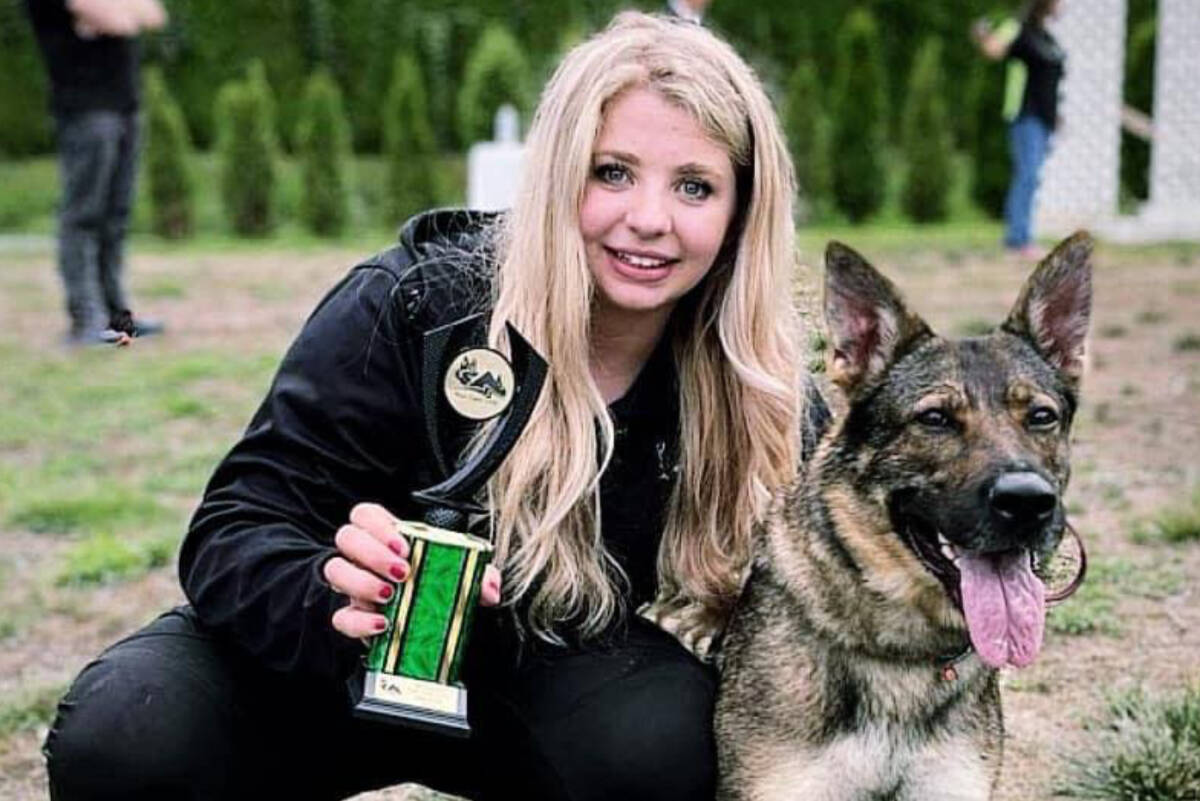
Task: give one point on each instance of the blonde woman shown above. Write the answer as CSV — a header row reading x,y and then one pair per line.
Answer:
x,y
648,257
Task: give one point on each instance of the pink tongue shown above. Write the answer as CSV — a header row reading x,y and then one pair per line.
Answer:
x,y
1005,607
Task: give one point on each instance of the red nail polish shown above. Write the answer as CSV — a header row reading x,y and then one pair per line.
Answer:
x,y
399,571
380,624
386,592
397,546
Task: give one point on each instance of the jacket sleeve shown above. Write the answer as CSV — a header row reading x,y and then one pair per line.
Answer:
x,y
336,428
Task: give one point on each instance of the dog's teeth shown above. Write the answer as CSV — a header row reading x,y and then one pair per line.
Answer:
x,y
948,550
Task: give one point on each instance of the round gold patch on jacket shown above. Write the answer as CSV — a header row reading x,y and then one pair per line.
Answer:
x,y
479,383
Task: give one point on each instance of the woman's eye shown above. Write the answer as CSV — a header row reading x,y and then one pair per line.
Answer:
x,y
1042,417
611,173
695,189
935,418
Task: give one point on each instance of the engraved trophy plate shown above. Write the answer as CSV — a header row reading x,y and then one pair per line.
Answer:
x,y
413,670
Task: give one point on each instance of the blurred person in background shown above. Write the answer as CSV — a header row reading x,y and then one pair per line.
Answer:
x,y
90,49
690,10
1035,68
649,257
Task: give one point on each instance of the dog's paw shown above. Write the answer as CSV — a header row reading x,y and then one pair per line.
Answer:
x,y
691,624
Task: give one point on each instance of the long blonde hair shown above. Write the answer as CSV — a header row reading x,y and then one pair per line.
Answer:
x,y
736,353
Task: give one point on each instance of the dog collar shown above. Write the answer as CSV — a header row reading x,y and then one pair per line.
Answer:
x,y
948,669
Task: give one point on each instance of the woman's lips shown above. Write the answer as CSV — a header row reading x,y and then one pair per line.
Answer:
x,y
638,267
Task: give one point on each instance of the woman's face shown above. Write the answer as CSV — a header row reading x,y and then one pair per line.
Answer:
x,y
657,205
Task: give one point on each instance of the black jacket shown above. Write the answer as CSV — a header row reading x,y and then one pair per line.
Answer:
x,y
341,423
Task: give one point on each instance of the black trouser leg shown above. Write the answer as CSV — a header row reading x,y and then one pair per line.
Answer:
x,y
173,713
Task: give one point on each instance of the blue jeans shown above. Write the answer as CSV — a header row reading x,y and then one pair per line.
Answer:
x,y
97,152
1028,141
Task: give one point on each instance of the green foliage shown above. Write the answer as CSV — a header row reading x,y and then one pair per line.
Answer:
x,y
809,131
988,138
860,119
1139,93
166,161
25,126
1149,750
106,509
208,44
1175,524
496,73
30,194
247,146
927,140
104,559
30,709
323,146
408,143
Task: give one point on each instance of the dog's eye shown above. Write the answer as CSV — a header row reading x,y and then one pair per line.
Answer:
x,y
935,418
1042,417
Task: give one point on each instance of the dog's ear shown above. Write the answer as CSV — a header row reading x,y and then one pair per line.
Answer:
x,y
1054,307
869,325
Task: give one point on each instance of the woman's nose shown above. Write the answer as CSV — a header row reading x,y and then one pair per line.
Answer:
x,y
648,214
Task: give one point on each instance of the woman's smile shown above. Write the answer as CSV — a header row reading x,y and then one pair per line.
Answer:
x,y
656,208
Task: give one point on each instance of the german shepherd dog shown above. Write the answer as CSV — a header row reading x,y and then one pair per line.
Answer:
x,y
902,569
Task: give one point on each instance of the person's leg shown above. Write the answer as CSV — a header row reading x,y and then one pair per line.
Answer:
x,y
633,721
151,717
88,150
1023,137
173,713
111,254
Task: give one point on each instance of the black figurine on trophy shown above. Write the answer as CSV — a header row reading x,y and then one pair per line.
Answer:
x,y
412,669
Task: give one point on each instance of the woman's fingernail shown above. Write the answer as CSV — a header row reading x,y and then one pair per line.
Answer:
x,y
399,571
381,624
398,547
386,592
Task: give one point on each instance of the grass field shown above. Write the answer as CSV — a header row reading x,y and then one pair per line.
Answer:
x,y
104,453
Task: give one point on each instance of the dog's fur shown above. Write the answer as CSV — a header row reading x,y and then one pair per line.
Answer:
x,y
848,672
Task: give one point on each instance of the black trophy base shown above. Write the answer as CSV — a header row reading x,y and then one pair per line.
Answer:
x,y
441,708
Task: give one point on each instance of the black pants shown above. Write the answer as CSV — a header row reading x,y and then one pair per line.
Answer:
x,y
97,153
173,713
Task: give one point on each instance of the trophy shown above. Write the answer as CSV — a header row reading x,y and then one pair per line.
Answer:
x,y
413,668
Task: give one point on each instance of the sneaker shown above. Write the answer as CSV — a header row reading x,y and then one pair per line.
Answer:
x,y
124,322
96,337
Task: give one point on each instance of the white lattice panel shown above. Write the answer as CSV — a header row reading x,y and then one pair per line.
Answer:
x,y
1175,157
1080,177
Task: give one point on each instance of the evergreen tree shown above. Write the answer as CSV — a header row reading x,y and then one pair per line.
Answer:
x,y
408,142
1139,93
859,119
808,132
496,73
166,162
988,139
257,83
927,138
323,144
246,145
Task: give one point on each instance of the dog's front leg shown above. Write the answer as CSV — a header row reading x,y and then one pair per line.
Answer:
x,y
951,770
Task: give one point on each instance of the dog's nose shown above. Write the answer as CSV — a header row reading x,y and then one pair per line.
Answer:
x,y
1022,499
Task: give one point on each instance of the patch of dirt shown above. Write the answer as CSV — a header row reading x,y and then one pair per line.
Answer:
x,y
1137,450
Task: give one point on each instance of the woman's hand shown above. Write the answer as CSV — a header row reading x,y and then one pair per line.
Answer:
x,y
372,558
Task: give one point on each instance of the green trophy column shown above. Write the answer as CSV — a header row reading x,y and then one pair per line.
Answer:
x,y
413,669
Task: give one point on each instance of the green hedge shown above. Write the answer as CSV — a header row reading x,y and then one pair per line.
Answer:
x,y
927,140
165,163
988,139
496,73
408,143
1139,93
809,132
859,119
247,144
323,145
